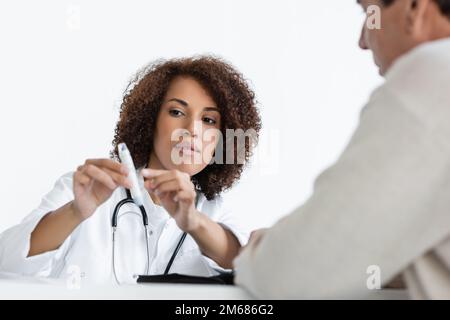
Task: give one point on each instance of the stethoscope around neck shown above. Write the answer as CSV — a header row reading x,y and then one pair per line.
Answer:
x,y
144,215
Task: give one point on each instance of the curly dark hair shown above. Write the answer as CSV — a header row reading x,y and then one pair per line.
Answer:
x,y
144,96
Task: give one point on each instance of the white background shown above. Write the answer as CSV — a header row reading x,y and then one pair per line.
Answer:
x,y
65,64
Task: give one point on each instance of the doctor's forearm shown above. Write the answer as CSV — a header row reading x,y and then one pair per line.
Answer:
x,y
53,229
216,242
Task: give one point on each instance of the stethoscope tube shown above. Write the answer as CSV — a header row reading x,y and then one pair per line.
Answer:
x,y
128,199
175,252
114,220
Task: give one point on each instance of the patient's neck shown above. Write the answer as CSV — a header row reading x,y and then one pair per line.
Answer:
x,y
440,28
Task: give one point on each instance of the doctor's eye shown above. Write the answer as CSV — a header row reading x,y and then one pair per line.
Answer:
x,y
210,121
176,113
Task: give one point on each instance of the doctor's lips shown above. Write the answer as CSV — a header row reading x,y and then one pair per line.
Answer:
x,y
187,147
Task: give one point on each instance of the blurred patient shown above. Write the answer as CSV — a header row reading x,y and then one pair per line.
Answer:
x,y
383,209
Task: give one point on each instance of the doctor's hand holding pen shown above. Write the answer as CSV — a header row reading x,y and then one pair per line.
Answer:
x,y
93,184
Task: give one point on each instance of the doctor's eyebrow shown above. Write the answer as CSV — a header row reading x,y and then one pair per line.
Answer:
x,y
185,104
182,102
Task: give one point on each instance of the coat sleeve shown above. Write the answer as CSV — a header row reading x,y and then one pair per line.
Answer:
x,y
227,218
15,241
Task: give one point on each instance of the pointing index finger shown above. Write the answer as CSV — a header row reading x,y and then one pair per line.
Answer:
x,y
150,173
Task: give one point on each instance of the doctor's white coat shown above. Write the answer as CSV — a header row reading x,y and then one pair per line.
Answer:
x,y
89,248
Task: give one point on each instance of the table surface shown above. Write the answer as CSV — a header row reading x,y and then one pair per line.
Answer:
x,y
14,287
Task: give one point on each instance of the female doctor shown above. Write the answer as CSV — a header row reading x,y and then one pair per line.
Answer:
x,y
71,229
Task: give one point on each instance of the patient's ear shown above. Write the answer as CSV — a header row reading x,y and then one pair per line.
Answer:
x,y
416,16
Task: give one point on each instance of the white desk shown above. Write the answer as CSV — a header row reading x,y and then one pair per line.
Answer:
x,y
14,287
12,290
30,288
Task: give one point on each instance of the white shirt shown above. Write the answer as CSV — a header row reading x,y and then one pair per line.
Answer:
x,y
88,250
382,209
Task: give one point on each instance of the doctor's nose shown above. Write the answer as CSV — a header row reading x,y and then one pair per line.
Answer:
x,y
193,128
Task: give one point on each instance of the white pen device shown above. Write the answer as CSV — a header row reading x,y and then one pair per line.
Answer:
x,y
125,158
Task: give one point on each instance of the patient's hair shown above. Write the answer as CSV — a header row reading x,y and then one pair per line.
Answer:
x,y
143,98
444,5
